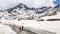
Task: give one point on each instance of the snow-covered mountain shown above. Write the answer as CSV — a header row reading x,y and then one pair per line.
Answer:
x,y
55,10
21,11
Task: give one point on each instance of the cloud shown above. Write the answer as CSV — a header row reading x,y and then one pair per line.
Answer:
x,y
38,3
5,4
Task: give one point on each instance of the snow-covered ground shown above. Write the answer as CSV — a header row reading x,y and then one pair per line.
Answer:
x,y
52,26
4,29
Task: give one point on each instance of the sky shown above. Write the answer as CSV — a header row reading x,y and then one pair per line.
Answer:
x,y
6,4
57,2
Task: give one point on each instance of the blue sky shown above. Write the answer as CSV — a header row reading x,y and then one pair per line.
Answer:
x,y
57,2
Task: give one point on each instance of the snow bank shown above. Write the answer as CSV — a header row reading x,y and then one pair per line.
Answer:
x,y
4,29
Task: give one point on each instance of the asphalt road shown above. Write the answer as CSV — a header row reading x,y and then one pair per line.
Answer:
x,y
27,32
40,32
